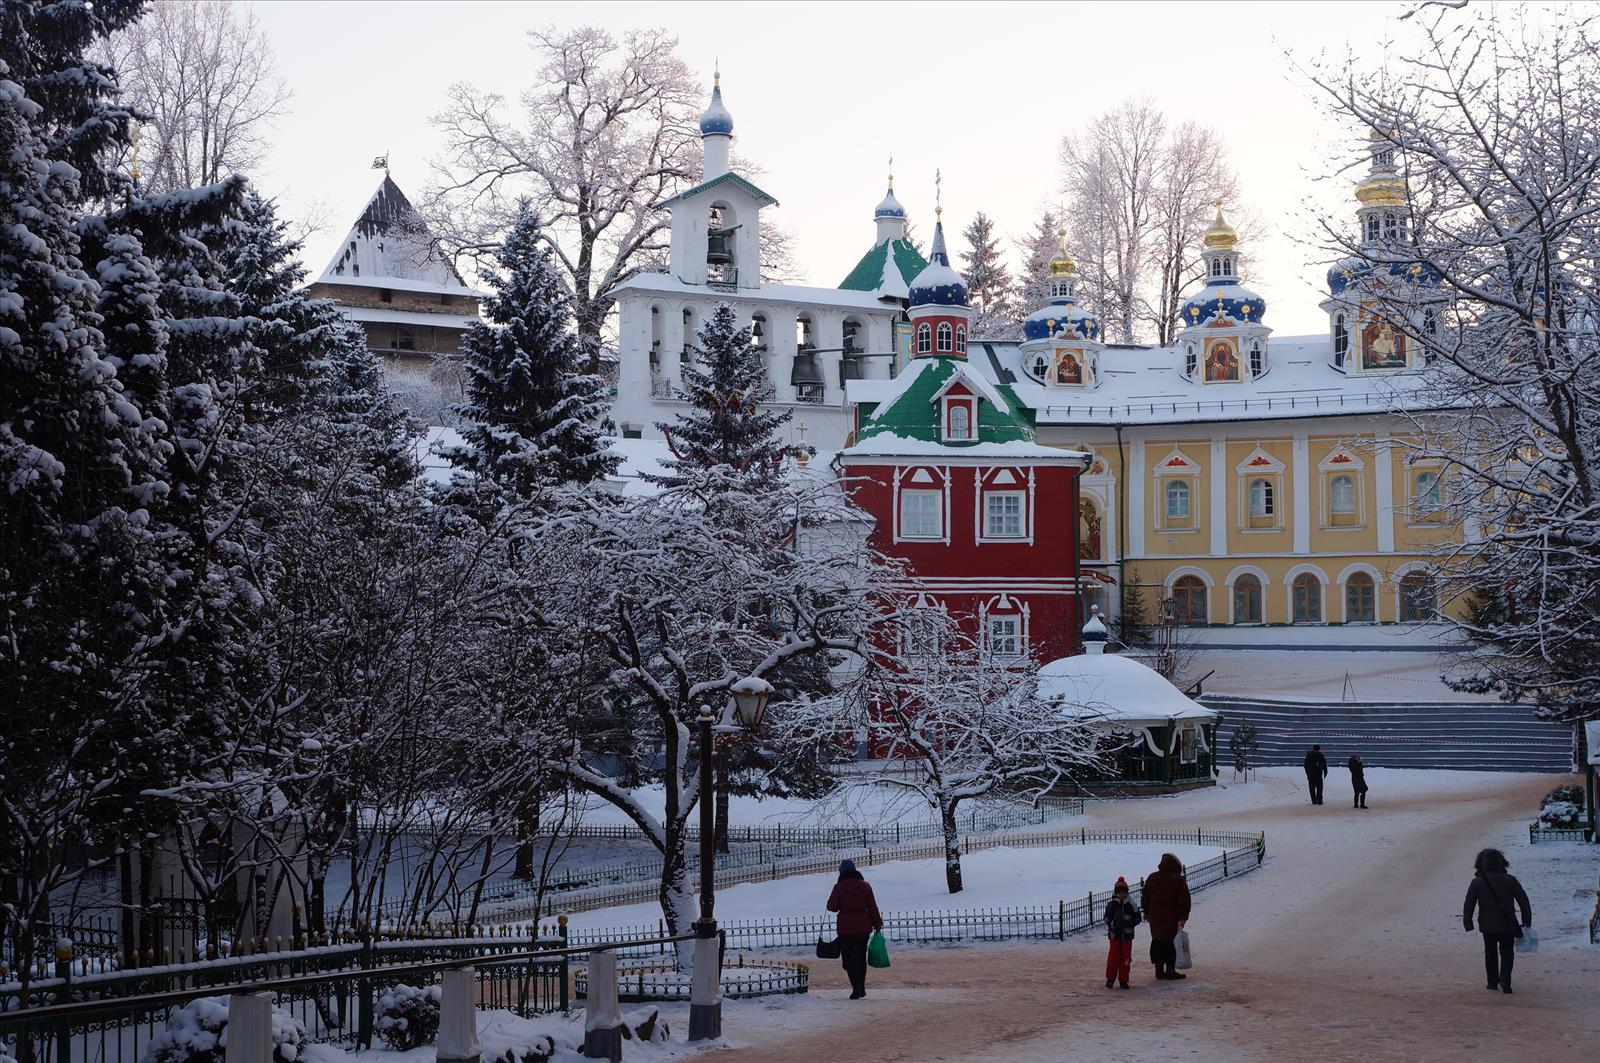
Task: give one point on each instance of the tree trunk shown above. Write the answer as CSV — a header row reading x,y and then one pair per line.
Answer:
x,y
952,848
129,931
527,831
722,801
677,899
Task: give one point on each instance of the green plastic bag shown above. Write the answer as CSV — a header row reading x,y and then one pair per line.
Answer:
x,y
877,950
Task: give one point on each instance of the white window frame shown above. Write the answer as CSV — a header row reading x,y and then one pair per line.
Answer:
x,y
944,338
1263,502
996,631
924,338
997,506
961,339
1348,506
1167,495
968,408
902,524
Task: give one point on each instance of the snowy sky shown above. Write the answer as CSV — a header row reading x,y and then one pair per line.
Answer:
x,y
821,94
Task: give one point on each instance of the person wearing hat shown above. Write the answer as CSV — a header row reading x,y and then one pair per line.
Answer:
x,y
1122,921
858,914
1166,909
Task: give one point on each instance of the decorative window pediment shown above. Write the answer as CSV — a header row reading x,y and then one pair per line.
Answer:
x,y
1341,460
1177,462
1259,462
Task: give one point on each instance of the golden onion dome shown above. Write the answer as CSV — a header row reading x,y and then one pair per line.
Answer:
x,y
1221,236
1382,190
1062,264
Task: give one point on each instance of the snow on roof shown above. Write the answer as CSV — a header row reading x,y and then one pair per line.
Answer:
x,y
409,317
389,242
974,379
800,295
401,284
1146,385
1117,690
888,444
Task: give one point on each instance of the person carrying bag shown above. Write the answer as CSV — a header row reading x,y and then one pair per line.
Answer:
x,y
858,914
1491,893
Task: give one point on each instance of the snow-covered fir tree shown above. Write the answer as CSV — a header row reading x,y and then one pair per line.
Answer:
x,y
988,279
728,425
532,416
1036,249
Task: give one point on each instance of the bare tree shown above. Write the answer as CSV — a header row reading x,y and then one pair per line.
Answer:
x,y
605,135
1137,193
203,71
1483,140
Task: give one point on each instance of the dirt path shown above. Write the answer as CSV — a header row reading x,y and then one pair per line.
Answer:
x,y
1346,946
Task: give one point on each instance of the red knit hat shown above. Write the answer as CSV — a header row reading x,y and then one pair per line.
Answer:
x,y
1122,884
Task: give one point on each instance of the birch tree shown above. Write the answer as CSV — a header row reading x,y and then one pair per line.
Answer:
x,y
1490,118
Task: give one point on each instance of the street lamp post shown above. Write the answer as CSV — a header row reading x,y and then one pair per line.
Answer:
x,y
705,997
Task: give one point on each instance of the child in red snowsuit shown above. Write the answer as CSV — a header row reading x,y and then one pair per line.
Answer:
x,y
1122,922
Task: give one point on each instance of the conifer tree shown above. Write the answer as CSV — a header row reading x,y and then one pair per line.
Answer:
x,y
728,427
988,279
532,418
1037,249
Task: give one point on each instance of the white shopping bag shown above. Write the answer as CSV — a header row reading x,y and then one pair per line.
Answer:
x,y
1185,956
1529,941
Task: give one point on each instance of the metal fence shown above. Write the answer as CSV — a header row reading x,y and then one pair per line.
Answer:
x,y
1241,854
1537,834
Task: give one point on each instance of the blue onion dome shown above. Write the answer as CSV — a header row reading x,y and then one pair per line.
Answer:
x,y
1060,318
890,207
1355,269
1233,301
938,284
716,120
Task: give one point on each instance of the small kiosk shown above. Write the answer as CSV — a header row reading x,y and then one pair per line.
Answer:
x,y
1166,740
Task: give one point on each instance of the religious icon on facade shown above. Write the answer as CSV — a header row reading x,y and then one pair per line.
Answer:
x,y
1221,362
1382,346
1069,367
1088,531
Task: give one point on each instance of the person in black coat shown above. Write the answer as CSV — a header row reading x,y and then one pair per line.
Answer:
x,y
1492,892
1122,920
1316,771
1358,780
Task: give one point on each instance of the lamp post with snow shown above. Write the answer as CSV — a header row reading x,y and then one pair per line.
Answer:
x,y
749,696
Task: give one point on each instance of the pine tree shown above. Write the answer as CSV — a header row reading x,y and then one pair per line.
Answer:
x,y
729,427
1037,249
988,279
532,418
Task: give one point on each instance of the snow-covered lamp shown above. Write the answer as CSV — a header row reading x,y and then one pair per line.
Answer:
x,y
750,700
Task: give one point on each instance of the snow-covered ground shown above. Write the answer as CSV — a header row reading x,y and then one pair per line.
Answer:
x,y
875,806
993,878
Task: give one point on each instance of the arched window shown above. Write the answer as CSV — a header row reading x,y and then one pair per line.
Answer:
x,y
1430,321
1247,599
1221,362
1307,594
1190,359
1262,504
1039,366
1419,597
1189,600
961,339
944,336
1341,340
1429,493
1177,501
1360,599
1216,267
1088,530
1342,499
960,426
1258,360
1372,227
924,339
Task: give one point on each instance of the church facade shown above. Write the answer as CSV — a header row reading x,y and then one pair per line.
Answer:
x,y
1236,478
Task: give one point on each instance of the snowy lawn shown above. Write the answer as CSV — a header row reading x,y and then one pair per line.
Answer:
x,y
994,878
876,806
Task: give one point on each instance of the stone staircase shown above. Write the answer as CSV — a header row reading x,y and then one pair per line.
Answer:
x,y
1476,736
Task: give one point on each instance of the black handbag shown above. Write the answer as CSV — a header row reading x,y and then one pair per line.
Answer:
x,y
828,950
1509,911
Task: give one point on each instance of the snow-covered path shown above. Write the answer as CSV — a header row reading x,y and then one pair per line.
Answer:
x,y
1347,946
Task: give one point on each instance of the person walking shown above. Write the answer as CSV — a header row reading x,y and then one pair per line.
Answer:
x,y
852,899
1492,892
1358,780
1122,922
1166,909
1316,771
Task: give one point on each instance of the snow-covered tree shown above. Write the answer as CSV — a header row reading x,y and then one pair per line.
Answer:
x,y
202,73
988,279
963,724
1035,249
532,415
1490,118
728,424
609,132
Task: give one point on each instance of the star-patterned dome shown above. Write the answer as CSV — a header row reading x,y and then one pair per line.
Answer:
x,y
1355,269
1060,318
716,121
938,284
1233,301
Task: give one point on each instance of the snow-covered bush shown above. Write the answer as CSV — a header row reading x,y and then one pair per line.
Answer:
x,y
540,1050
1562,809
198,1033
408,1017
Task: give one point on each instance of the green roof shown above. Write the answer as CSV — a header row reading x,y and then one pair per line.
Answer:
x,y
868,274
913,414
727,178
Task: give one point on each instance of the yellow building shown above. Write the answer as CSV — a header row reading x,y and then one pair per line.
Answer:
x,y
1251,480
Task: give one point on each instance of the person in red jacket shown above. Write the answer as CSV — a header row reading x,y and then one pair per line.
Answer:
x,y
1166,909
858,918
1122,922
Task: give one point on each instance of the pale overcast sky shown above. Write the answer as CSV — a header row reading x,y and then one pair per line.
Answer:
x,y
822,93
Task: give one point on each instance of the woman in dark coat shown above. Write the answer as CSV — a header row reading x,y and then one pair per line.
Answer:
x,y
1492,892
858,917
1358,780
1166,909
1122,922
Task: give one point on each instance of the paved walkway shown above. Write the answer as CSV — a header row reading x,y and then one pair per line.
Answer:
x,y
1346,946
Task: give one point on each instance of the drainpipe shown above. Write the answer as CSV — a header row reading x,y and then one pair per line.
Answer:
x,y
1122,526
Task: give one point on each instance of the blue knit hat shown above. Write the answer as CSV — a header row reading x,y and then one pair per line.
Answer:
x,y
846,865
